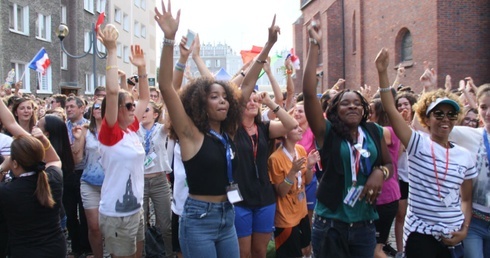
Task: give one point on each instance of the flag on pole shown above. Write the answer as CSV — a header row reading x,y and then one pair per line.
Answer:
x,y
40,62
101,17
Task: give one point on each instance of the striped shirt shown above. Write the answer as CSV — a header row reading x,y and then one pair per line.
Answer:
x,y
427,213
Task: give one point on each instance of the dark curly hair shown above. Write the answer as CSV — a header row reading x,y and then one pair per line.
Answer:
x,y
412,99
338,125
194,97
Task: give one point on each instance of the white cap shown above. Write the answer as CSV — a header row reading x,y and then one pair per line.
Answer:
x,y
444,100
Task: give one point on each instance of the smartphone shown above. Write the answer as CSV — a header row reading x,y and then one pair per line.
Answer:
x,y
190,38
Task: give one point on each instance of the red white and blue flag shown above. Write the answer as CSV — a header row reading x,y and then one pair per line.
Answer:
x,y
40,62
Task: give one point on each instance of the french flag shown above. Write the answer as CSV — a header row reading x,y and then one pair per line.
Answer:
x,y
40,62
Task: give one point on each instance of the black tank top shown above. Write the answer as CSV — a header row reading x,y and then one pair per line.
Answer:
x,y
207,172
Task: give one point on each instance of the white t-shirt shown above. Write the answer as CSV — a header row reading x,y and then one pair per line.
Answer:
x,y
5,142
157,151
181,189
122,157
427,213
472,140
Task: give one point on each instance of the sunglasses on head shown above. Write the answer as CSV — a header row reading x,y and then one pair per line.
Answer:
x,y
97,106
439,115
129,106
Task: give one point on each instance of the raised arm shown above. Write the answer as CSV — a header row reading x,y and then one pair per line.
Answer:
x,y
185,129
313,109
108,37
123,83
274,84
179,68
51,158
8,121
286,122
137,58
428,78
252,76
196,56
400,72
402,130
238,78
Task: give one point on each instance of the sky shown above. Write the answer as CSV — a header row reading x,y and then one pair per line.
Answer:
x,y
239,24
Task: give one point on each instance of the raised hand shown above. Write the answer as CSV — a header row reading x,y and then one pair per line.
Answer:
x,y
429,77
137,57
166,21
313,158
108,36
314,31
264,98
196,46
184,51
267,65
274,30
448,85
382,60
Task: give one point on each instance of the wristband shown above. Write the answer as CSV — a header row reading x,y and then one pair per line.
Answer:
x,y
47,148
385,89
109,67
287,181
143,76
261,61
275,110
288,71
168,42
314,41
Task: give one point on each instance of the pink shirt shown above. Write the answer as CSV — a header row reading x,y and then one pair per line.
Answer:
x,y
308,141
391,190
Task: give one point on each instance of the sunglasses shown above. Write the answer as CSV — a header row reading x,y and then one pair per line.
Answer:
x,y
130,106
439,115
96,106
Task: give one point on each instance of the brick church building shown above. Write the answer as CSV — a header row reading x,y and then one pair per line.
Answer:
x,y
453,35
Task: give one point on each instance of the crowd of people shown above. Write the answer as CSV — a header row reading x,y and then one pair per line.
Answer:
x,y
230,170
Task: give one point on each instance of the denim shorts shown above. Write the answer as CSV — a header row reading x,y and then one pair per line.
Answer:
x,y
206,229
254,220
361,236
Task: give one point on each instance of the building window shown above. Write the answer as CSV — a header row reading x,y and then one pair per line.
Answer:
x,y
45,81
101,6
89,83
143,4
87,42
63,14
100,80
218,63
406,47
88,5
64,61
136,29
22,68
126,54
117,15
137,3
19,18
143,31
126,22
119,50
208,63
100,47
354,34
43,27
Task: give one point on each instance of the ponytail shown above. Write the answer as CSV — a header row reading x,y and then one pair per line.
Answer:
x,y
43,190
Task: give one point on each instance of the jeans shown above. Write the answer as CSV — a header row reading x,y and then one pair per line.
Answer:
x,y
361,236
477,242
207,230
158,189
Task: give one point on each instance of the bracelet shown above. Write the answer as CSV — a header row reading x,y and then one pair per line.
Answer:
x,y
275,110
261,61
242,73
143,76
386,172
179,69
314,41
288,71
287,181
168,42
385,89
47,148
109,67
180,65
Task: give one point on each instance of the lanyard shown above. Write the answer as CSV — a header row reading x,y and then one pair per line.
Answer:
x,y
224,141
147,138
355,155
487,145
435,167
298,175
255,143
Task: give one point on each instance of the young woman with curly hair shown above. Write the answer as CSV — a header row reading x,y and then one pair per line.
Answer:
x,y
440,185
356,162
205,119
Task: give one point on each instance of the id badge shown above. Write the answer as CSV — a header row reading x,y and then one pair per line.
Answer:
x,y
301,196
353,195
233,193
149,160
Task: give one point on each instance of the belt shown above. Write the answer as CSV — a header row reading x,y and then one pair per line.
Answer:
x,y
342,224
481,215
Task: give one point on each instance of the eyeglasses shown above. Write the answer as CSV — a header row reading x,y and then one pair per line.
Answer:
x,y
469,120
439,115
147,109
96,106
129,106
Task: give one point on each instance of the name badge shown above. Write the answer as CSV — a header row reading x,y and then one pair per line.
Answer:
x,y
233,193
353,195
149,160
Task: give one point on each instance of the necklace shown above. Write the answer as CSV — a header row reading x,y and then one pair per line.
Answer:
x,y
250,128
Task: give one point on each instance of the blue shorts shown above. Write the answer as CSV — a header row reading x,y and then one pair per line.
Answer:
x,y
256,220
311,193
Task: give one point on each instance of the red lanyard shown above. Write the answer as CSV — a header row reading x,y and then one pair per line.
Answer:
x,y
435,167
255,141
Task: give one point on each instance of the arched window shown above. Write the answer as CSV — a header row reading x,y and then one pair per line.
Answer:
x,y
406,47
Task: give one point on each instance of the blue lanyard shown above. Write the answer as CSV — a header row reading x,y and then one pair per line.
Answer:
x,y
224,141
147,138
487,145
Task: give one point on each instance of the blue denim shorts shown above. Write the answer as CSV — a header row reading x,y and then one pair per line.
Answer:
x,y
254,220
